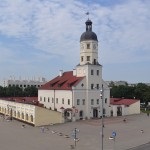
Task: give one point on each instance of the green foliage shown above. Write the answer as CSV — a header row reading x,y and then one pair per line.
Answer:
x,y
15,91
140,91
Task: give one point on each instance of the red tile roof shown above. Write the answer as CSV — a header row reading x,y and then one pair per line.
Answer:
x,y
121,101
64,82
25,100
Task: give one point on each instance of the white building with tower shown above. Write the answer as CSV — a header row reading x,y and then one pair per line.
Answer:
x,y
77,94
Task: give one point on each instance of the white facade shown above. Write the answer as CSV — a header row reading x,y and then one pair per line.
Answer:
x,y
125,109
83,99
31,114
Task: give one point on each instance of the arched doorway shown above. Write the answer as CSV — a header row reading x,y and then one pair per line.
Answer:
x,y
95,113
81,114
68,114
119,111
111,113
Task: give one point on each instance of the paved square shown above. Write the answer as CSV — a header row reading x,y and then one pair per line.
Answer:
x,y
14,137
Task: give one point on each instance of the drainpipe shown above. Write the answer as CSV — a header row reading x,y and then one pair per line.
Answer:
x,y
54,99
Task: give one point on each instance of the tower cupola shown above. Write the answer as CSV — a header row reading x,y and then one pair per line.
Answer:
x,y
88,46
88,34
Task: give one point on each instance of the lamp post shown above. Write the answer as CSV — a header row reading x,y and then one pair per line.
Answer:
x,y
102,121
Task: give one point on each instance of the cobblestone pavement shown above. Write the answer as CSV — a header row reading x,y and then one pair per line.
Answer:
x,y
14,136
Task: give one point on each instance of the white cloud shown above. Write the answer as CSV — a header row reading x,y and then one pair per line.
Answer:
x,y
55,26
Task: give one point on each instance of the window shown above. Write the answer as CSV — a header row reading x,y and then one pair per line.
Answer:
x,y
88,46
83,101
92,86
62,100
105,100
94,61
81,58
40,98
78,102
57,100
44,99
88,58
98,72
97,101
92,72
92,101
24,85
97,86
48,99
68,101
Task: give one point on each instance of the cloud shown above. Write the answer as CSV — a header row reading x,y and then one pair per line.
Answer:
x,y
55,26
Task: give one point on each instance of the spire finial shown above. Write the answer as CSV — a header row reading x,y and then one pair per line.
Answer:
x,y
87,13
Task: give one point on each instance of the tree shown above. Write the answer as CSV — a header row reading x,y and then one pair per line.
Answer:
x,y
31,91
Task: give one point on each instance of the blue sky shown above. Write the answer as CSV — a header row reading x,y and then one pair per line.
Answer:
x,y
40,37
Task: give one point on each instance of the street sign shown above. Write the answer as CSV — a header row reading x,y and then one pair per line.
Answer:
x,y
113,134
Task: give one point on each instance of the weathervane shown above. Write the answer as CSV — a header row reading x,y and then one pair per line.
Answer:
x,y
87,13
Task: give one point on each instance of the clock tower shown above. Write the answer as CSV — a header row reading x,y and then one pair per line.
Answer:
x,y
88,46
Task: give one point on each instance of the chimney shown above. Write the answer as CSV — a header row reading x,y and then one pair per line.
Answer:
x,y
74,72
60,73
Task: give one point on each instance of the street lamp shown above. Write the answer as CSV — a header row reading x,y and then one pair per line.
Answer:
x,y
102,121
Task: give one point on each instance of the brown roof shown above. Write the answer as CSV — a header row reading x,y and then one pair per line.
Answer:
x,y
64,82
122,101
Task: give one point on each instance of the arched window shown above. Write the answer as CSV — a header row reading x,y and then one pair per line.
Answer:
x,y
22,115
27,117
18,114
31,118
14,113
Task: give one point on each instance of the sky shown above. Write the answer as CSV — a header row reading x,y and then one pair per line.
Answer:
x,y
40,37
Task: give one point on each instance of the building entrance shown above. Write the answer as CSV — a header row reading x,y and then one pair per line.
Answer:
x,y
95,113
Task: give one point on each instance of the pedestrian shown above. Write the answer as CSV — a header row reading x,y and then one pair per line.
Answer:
x,y
148,114
42,129
142,131
124,120
23,126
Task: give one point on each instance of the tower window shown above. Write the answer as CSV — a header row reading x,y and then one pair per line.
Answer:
x,y
98,72
88,46
94,61
88,58
81,58
92,72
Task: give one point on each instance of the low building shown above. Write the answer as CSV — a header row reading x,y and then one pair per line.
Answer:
x,y
28,112
24,83
123,107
